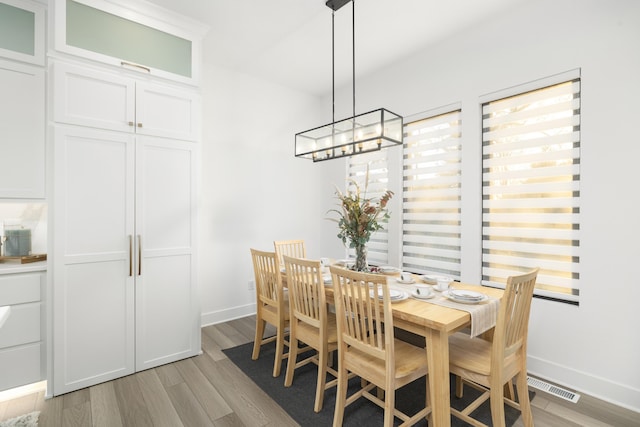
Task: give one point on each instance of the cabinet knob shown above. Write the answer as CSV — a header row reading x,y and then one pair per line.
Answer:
x,y
130,123
139,125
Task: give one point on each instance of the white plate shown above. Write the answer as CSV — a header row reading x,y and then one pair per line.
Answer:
x,y
345,262
388,269
466,294
415,294
406,282
464,301
326,279
433,278
394,295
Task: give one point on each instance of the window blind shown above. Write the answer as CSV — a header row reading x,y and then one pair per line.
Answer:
x,y
531,189
377,161
431,225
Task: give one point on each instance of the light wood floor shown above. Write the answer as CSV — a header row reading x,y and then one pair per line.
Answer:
x,y
209,390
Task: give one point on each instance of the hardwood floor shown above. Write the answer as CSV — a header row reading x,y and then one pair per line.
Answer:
x,y
208,390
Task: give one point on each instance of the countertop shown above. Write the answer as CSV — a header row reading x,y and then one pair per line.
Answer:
x,y
14,267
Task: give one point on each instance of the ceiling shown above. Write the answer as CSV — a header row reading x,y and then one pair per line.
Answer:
x,y
289,41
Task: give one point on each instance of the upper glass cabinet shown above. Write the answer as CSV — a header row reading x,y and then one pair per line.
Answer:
x,y
120,36
22,31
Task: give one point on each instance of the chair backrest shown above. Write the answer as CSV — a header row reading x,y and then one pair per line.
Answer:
x,y
512,323
292,248
268,278
307,299
364,320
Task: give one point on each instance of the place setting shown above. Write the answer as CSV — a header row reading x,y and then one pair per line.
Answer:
x,y
395,295
464,296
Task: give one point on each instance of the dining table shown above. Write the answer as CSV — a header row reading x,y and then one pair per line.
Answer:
x,y
435,323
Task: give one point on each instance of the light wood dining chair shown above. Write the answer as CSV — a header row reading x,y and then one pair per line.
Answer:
x,y
292,248
311,323
368,348
271,306
490,365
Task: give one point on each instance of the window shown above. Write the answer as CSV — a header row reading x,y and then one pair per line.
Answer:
x,y
377,248
431,195
531,188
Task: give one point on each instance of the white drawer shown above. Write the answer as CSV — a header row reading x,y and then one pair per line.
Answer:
x,y
19,288
20,366
22,326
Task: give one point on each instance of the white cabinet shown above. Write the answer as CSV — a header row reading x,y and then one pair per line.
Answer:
x,y
124,270
89,97
22,131
22,30
144,38
93,335
21,358
167,312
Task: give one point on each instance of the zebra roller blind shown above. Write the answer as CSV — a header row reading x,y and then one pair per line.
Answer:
x,y
431,224
531,189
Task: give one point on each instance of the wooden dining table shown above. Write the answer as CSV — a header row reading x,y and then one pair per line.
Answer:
x,y
435,323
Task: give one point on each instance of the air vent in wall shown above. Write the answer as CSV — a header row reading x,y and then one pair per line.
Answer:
x,y
552,389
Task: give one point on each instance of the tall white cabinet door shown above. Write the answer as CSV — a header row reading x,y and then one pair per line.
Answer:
x,y
93,213
167,311
22,131
167,112
87,97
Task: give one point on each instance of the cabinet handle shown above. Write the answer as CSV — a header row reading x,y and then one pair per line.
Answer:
x,y
130,123
131,64
139,125
139,255
130,255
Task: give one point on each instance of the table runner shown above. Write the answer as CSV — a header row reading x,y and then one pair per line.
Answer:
x,y
483,315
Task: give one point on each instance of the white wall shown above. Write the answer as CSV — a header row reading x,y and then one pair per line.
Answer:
x,y
593,348
254,191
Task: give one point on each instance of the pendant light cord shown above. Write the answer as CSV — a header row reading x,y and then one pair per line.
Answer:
x,y
333,67
353,50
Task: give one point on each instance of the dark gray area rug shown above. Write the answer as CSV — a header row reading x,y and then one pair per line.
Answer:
x,y
298,399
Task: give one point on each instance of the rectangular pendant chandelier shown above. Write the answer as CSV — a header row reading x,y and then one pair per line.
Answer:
x,y
360,134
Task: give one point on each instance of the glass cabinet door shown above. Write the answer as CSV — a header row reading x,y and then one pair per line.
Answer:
x,y
107,33
22,31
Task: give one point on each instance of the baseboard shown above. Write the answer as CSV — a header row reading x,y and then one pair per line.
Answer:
x,y
584,382
214,317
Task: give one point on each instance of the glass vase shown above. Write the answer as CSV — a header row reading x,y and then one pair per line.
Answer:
x,y
361,258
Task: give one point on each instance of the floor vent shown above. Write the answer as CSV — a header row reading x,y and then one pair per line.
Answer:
x,y
552,389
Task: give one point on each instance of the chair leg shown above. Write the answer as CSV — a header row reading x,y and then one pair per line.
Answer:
x,y
257,341
293,358
459,387
341,396
497,405
427,402
322,379
277,364
389,407
508,391
523,399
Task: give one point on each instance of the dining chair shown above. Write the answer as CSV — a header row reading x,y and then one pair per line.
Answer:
x,y
311,323
271,306
367,346
490,365
292,248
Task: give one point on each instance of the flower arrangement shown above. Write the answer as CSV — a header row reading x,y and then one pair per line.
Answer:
x,y
358,217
